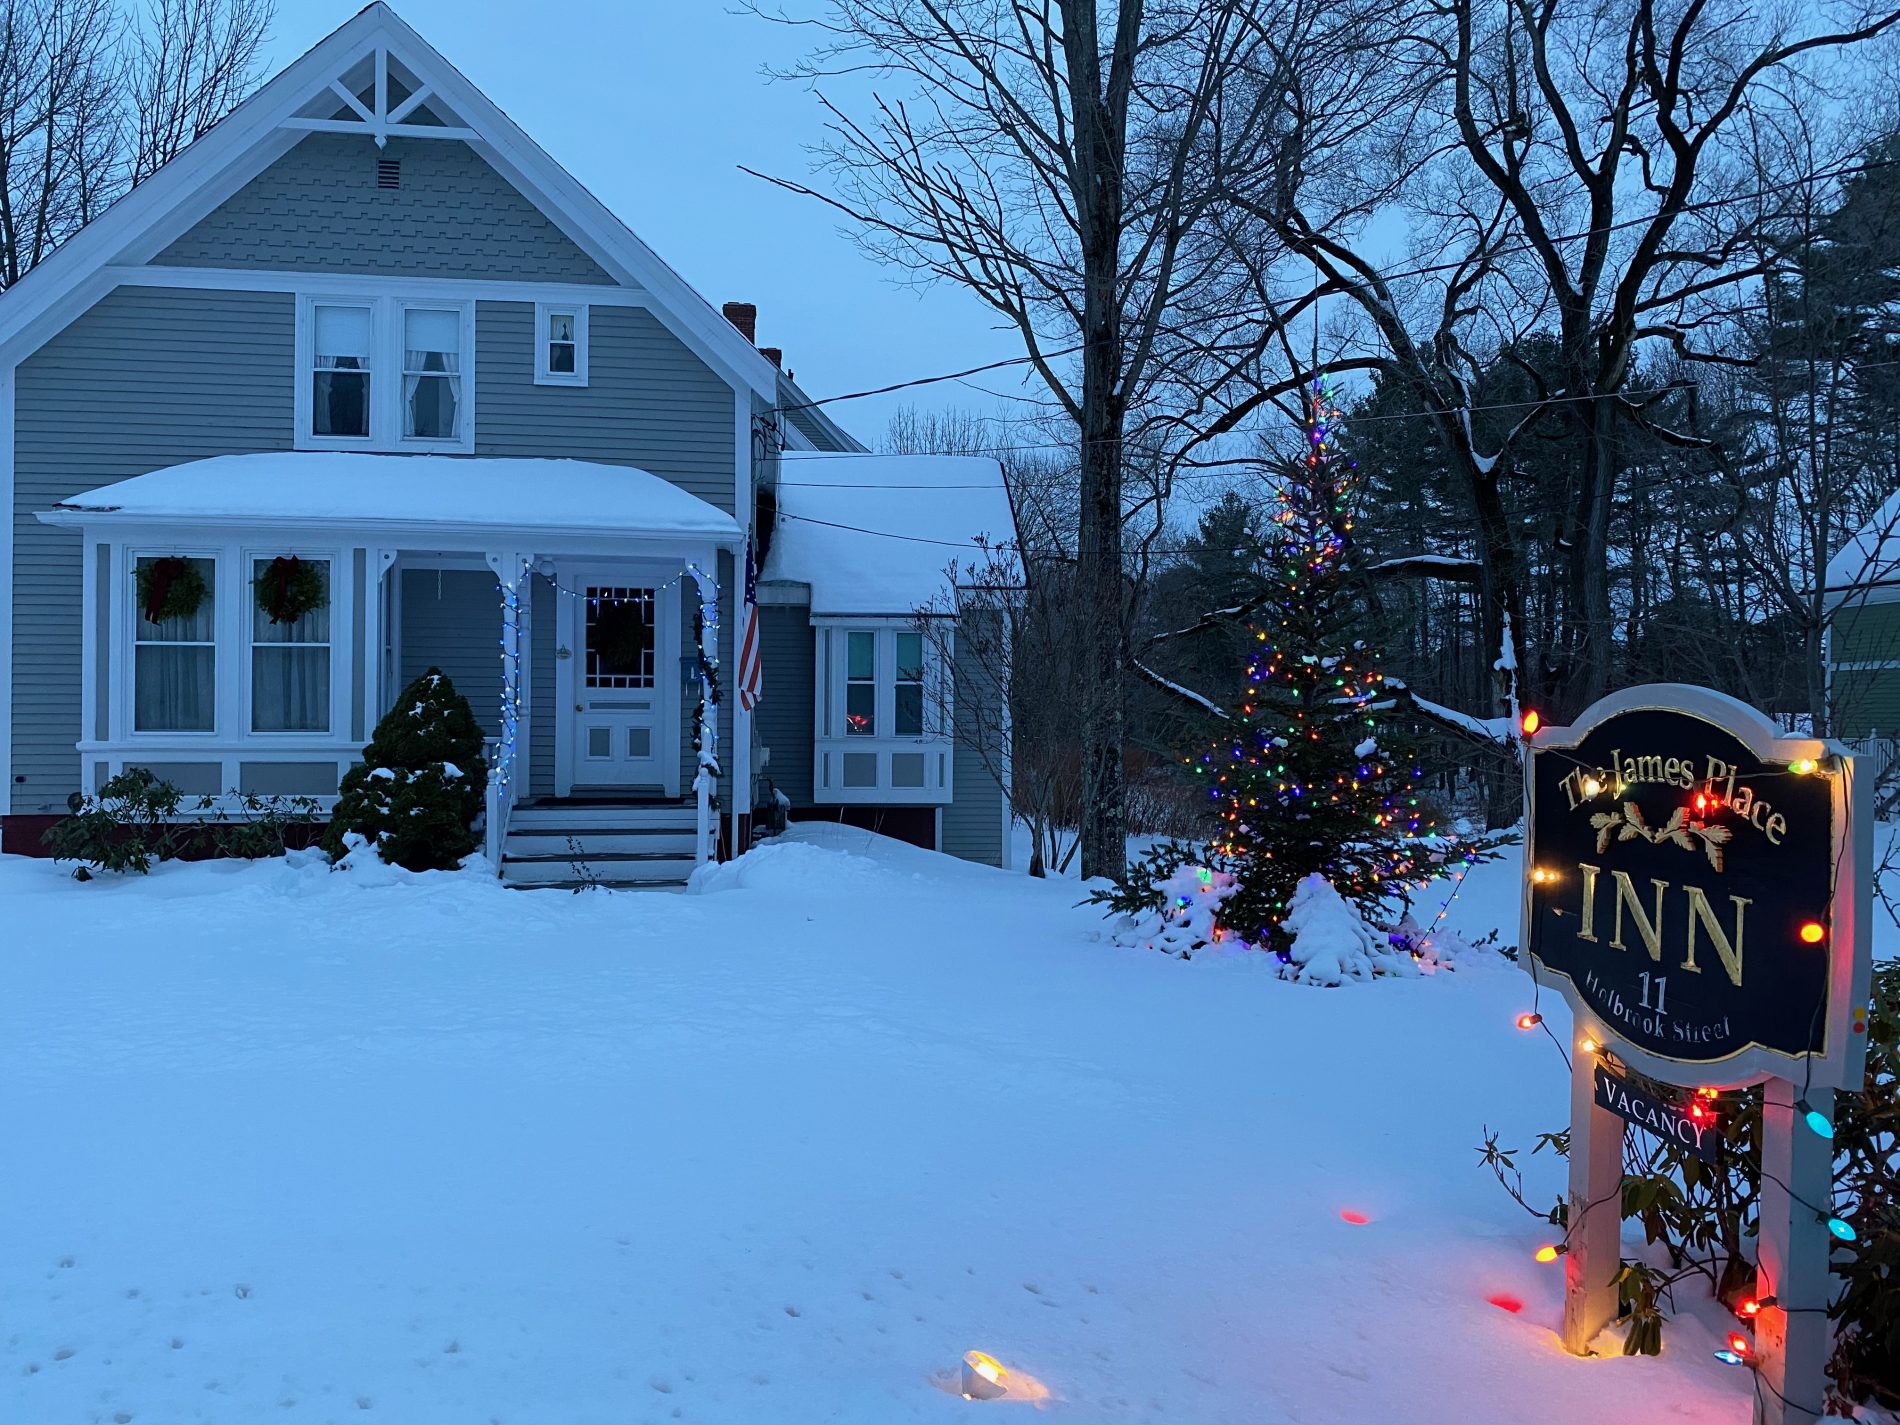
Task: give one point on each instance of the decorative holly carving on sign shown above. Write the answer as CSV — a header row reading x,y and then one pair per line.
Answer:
x,y
1628,825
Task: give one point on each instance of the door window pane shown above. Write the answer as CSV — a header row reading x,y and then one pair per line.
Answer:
x,y
860,689
339,397
174,673
290,658
907,714
619,636
431,373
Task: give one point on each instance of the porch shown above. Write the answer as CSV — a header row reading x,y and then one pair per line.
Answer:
x,y
575,605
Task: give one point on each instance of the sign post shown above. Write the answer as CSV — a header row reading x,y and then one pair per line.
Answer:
x,y
1697,887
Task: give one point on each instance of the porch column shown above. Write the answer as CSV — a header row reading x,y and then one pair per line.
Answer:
x,y
704,570
511,568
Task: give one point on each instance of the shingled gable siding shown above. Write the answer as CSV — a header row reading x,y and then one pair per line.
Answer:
x,y
318,208
147,378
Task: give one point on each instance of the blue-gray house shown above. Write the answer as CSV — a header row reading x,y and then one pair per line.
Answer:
x,y
364,382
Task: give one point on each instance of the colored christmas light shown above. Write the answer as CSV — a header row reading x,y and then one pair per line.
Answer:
x,y
1529,1021
1801,766
1813,933
1841,1229
1530,722
1730,1358
1815,1119
1549,1253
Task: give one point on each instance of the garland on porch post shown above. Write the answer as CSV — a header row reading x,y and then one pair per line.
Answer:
x,y
510,677
706,718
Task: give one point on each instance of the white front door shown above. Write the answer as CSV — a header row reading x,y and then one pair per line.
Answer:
x,y
617,674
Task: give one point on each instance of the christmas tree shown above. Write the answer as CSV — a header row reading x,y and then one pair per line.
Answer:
x,y
1313,775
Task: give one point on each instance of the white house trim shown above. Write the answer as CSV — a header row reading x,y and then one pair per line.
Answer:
x,y
6,590
473,289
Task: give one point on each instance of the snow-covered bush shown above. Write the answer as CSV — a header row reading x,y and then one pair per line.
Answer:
x,y
419,788
1185,915
1331,941
128,826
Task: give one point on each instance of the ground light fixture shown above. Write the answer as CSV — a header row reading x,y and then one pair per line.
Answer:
x,y
983,1376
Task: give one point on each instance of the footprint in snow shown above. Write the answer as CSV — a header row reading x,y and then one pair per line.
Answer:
x,y
791,1311
64,1353
662,1385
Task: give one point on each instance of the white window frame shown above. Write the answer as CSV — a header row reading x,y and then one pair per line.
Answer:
x,y
385,373
248,559
126,671
832,742
544,374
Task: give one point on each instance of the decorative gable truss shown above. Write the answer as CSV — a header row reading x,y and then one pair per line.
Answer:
x,y
381,96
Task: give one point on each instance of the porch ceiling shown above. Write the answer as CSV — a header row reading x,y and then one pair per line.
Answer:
x,y
490,500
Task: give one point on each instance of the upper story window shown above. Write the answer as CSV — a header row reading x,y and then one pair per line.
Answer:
x,y
339,379
560,356
383,373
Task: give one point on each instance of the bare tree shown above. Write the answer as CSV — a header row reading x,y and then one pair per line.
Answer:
x,y
94,98
1578,167
1073,164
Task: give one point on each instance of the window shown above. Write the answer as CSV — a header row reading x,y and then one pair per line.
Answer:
x,y
560,357
290,659
907,717
431,373
174,672
384,374
860,684
339,395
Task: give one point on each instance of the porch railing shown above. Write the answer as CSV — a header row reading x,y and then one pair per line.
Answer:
x,y
500,802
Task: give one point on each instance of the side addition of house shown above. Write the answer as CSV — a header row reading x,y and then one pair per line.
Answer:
x,y
366,352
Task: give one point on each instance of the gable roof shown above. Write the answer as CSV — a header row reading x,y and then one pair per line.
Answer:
x,y
877,534
275,118
1871,557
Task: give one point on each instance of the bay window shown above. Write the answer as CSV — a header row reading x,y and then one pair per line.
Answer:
x,y
381,373
882,716
175,649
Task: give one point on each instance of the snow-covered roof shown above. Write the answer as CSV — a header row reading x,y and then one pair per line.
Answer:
x,y
1871,556
476,494
876,534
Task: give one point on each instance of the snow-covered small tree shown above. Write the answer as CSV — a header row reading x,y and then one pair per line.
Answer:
x,y
1312,774
419,788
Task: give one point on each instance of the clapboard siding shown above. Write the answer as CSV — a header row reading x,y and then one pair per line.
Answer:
x,y
973,822
784,715
148,377
318,208
451,619
649,402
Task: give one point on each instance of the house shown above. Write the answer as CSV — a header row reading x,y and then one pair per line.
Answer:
x,y
363,383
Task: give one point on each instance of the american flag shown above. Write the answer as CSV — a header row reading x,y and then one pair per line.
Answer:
x,y
751,659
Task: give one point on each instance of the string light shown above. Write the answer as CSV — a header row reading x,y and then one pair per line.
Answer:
x,y
1802,766
1529,1021
1813,933
1815,1119
1842,1229
1530,722
1550,1252
1592,787
1731,1358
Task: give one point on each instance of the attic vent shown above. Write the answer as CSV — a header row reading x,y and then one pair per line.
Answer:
x,y
389,173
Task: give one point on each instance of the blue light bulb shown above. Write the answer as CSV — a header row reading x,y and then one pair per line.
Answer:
x,y
1842,1230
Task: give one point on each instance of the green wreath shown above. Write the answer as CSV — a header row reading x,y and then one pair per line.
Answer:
x,y
171,588
289,588
622,633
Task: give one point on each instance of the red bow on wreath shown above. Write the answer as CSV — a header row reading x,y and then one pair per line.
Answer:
x,y
158,588
283,569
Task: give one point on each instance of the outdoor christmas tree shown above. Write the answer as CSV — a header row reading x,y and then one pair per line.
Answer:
x,y
419,787
1314,776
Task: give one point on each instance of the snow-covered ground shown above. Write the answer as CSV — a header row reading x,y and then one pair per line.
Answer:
x,y
282,1144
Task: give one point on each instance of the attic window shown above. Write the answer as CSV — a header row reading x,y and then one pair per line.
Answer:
x,y
389,173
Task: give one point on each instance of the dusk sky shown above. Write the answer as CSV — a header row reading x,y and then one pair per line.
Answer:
x,y
654,104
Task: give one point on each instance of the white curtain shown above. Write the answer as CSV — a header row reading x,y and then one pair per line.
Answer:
x,y
174,674
290,665
431,366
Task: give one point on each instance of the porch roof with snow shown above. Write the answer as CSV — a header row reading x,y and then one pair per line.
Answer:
x,y
877,534
490,501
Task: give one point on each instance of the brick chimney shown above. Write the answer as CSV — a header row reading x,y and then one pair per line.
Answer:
x,y
773,354
744,316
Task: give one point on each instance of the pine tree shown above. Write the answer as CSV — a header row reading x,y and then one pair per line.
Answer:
x,y
1314,775
419,787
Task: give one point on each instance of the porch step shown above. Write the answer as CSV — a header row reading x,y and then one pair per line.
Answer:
x,y
532,841
606,868
603,816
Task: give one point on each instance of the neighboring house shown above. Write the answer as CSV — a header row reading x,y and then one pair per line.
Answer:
x,y
367,323
1863,635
